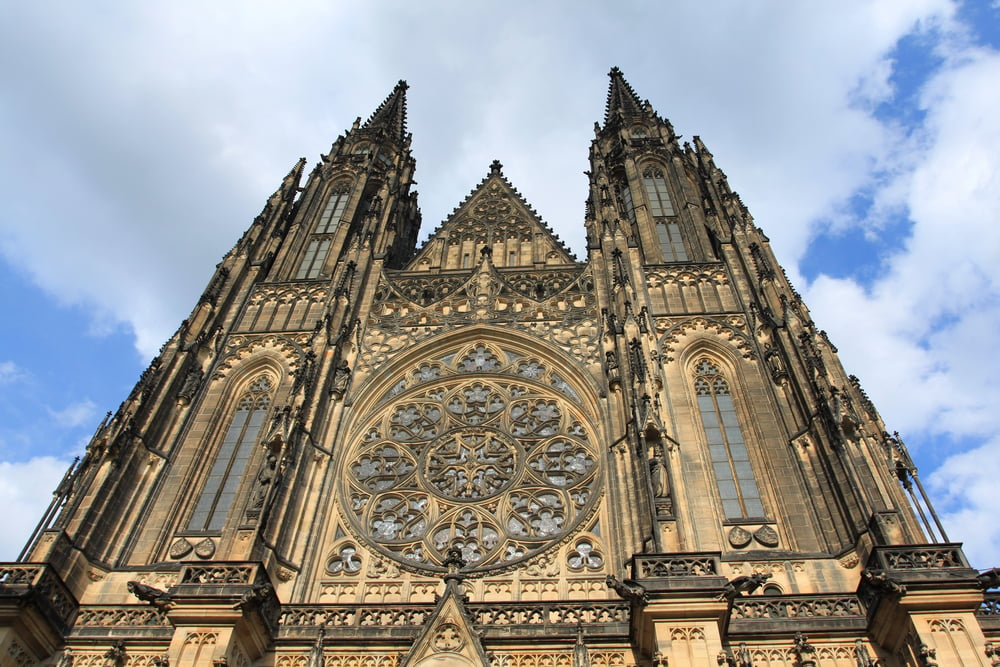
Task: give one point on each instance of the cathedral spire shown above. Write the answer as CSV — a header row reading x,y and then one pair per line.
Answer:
x,y
390,116
621,98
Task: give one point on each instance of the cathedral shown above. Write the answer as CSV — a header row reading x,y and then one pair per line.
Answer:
x,y
361,451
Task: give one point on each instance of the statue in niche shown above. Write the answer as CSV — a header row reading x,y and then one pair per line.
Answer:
x,y
191,383
265,479
614,375
658,475
341,378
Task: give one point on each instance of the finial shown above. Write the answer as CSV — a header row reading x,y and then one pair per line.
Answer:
x,y
454,562
496,169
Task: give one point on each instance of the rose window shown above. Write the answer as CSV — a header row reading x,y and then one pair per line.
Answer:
x,y
470,463
480,456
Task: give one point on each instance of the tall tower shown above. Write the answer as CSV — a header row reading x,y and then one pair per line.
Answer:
x,y
486,452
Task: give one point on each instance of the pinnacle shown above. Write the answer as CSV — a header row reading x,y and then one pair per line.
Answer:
x,y
391,114
621,97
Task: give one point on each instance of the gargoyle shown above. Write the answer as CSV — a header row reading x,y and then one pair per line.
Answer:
x,y
740,585
989,578
154,596
254,597
628,589
884,583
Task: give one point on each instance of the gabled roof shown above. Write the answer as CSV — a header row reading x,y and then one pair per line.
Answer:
x,y
449,637
493,211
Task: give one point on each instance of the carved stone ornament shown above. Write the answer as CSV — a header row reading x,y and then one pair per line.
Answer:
x,y
180,548
485,451
849,561
739,537
154,596
205,548
766,536
448,638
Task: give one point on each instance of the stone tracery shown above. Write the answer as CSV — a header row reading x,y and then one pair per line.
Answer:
x,y
488,453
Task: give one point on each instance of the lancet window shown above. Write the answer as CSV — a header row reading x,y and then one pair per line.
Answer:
x,y
234,453
668,231
319,241
730,460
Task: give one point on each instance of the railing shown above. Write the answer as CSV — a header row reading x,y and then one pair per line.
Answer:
x,y
296,618
827,606
223,574
675,565
915,558
37,583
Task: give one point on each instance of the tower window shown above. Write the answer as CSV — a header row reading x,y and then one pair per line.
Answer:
x,y
628,207
730,459
656,189
312,262
231,461
319,242
671,242
668,230
332,212
511,258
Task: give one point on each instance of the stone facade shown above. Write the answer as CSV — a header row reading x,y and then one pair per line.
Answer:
x,y
482,451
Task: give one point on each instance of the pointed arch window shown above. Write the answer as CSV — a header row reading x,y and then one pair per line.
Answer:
x,y
312,262
234,453
730,460
333,211
318,246
625,197
668,231
659,197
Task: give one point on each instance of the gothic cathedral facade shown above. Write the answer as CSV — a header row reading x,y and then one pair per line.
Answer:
x,y
482,451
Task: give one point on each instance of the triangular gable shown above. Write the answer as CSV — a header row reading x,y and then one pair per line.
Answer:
x,y
494,215
448,638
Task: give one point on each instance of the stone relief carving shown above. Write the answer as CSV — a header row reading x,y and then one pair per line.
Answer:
x,y
567,318
733,329
242,347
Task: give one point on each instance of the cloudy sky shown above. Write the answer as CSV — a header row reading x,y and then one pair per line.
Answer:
x,y
138,140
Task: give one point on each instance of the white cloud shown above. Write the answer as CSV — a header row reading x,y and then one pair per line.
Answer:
x,y
75,414
162,135
966,485
25,491
929,325
10,372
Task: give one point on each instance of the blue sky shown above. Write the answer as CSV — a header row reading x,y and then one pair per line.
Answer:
x,y
140,139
